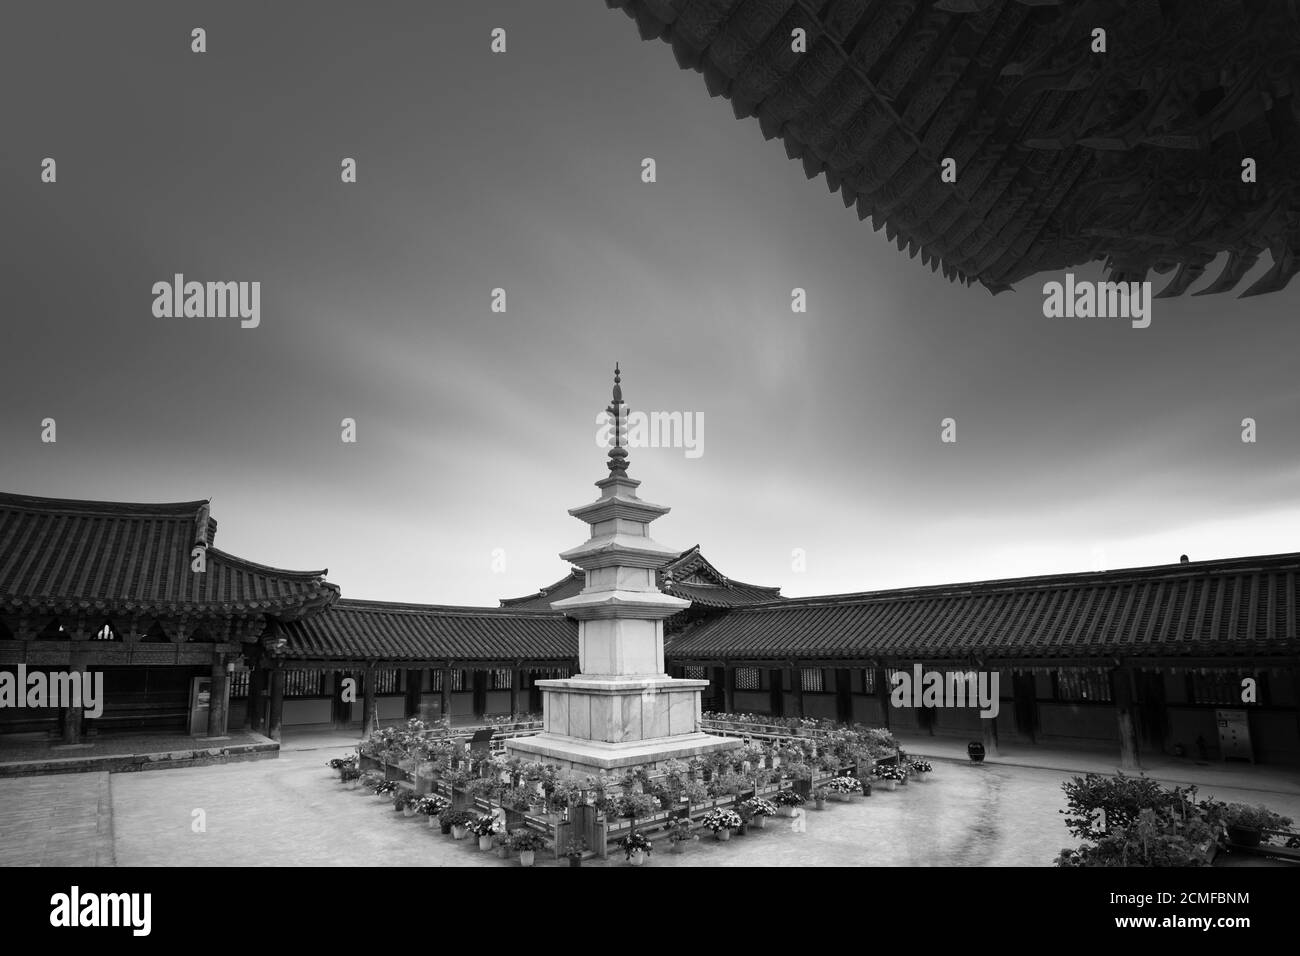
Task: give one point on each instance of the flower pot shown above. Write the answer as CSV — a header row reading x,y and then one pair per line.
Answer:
x,y
503,851
527,857
760,822
432,822
408,811
819,803
459,833
724,834
785,811
890,784
637,857
485,842
575,861
1244,836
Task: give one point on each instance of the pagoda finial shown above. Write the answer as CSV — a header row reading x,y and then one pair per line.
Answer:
x,y
618,420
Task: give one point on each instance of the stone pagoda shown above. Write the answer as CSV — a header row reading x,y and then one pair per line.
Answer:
x,y
622,709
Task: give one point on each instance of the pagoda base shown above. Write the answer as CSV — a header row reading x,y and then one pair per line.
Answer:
x,y
593,756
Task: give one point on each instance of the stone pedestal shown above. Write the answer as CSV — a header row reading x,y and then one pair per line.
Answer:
x,y
593,724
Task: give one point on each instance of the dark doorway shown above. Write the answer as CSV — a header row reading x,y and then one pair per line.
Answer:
x,y
1152,715
480,692
777,705
843,696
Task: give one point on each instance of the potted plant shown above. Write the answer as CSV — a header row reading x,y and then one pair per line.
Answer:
x,y
786,802
721,821
1246,824
759,810
485,827
638,848
887,774
634,805
819,798
431,805
577,849
404,801
458,821
919,770
679,834
350,776
844,788
384,789
526,843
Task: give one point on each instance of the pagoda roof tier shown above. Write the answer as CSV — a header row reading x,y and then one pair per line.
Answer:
x,y
626,550
688,575
1063,155
73,556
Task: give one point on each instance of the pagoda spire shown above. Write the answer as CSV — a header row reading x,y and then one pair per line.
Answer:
x,y
618,420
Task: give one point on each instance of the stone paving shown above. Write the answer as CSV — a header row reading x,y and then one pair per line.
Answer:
x,y
291,811
63,820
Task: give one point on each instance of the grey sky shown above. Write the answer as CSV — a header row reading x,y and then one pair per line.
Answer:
x,y
1081,442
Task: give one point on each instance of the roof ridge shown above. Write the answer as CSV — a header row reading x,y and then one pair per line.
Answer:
x,y
1116,576
88,506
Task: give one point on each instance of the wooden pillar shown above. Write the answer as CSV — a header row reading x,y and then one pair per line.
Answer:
x,y
277,704
217,698
72,716
446,695
796,687
368,699
1121,683
516,681
729,688
255,718
882,691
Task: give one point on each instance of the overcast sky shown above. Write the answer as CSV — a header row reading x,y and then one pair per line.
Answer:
x,y
1081,443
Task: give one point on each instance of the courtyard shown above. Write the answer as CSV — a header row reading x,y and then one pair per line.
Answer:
x,y
292,811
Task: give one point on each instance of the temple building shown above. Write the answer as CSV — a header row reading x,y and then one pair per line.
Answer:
x,y
997,139
1195,659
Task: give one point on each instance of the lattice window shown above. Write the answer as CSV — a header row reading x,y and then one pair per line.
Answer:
x,y
696,672
868,681
1219,687
386,681
812,680
239,683
499,678
749,678
303,683
1073,685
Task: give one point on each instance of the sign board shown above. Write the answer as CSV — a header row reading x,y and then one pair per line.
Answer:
x,y
200,702
1234,735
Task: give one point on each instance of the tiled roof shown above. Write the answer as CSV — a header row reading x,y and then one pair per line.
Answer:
x,y
68,556
689,576
376,630
1063,156
1235,606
